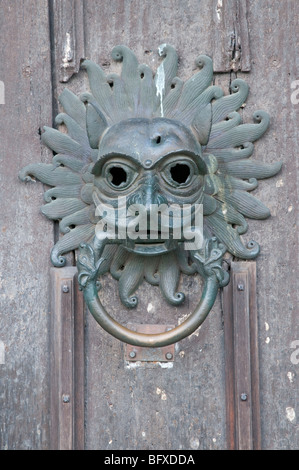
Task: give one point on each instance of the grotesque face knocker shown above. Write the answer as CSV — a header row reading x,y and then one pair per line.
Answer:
x,y
152,181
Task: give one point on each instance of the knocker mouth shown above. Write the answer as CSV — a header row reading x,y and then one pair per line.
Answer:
x,y
150,242
145,244
150,247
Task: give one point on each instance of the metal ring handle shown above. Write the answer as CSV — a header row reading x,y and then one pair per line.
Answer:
x,y
155,340
209,266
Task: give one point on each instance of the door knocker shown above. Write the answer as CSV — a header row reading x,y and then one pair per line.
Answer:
x,y
141,144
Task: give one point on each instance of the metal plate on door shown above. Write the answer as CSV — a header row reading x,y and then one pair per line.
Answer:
x,y
143,354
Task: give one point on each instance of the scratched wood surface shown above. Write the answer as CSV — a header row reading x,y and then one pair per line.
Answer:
x,y
180,405
26,237
274,37
172,407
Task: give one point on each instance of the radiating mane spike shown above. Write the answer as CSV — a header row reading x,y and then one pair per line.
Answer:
x,y
196,122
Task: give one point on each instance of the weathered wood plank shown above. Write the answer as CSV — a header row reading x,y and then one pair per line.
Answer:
x,y
274,37
228,318
26,236
176,405
243,382
241,358
230,36
67,365
79,366
68,30
183,406
143,26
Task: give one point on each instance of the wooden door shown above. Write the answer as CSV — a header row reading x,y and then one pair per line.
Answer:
x,y
193,402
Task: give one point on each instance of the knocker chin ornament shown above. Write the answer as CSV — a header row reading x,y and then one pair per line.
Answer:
x,y
152,141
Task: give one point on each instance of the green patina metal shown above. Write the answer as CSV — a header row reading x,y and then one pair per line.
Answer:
x,y
153,139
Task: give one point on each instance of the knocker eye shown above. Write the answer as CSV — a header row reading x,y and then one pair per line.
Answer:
x,y
179,173
118,176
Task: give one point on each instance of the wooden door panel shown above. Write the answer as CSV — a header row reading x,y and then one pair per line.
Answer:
x,y
182,404
274,40
26,236
176,405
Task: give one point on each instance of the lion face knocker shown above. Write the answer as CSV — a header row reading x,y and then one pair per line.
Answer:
x,y
152,181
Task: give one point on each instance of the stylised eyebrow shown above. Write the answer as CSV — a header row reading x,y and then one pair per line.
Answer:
x,y
103,158
184,152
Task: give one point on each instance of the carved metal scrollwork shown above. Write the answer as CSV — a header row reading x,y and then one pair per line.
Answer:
x,y
144,140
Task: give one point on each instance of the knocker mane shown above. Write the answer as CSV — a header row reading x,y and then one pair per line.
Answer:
x,y
153,139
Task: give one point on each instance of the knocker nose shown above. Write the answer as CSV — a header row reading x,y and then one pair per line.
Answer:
x,y
148,193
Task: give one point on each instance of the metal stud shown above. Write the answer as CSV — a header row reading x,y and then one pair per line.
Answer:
x,y
66,398
132,354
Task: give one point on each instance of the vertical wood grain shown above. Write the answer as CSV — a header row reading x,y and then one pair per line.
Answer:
x,y
67,365
181,407
230,36
26,236
68,33
242,358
